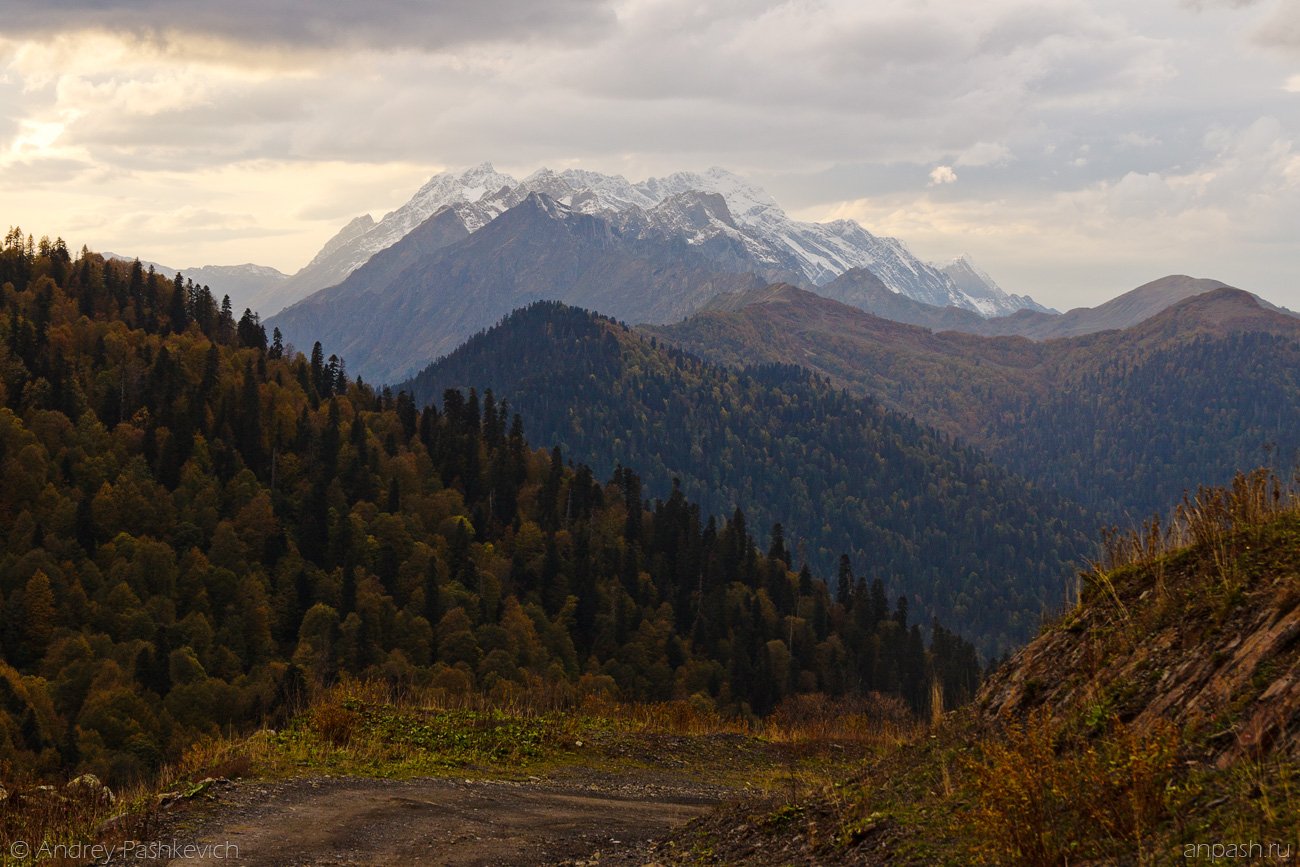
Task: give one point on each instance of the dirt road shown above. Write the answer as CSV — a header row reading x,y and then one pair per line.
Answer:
x,y
583,817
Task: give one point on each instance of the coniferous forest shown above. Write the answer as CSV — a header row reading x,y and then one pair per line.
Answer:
x,y
974,544
201,525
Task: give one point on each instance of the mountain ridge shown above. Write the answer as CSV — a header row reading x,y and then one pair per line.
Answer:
x,y
815,252
891,493
422,302
1181,398
249,285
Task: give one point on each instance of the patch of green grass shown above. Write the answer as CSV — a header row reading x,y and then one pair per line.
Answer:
x,y
783,817
460,737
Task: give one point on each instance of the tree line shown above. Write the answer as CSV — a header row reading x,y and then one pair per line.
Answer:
x,y
200,525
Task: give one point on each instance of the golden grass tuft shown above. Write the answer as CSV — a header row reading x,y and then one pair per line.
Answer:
x,y
1043,802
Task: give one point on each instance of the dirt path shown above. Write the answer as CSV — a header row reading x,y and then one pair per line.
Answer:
x,y
582,818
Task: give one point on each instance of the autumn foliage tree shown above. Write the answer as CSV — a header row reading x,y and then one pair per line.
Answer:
x,y
198,525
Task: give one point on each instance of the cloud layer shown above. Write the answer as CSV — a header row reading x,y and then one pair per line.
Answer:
x,y
191,131
316,24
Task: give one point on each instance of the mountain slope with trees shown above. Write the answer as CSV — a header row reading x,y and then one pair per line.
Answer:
x,y
1120,421
199,528
965,539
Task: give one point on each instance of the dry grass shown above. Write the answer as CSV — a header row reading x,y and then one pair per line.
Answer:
x,y
1214,522
1044,802
369,728
1210,517
60,819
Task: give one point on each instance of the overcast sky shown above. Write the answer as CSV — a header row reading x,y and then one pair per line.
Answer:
x,y
1075,148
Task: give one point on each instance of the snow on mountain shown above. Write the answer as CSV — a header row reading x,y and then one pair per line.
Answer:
x,y
446,188
346,235
478,195
989,298
715,208
588,192
820,252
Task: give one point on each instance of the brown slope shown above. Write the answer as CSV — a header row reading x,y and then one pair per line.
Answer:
x,y
1121,312
1122,421
941,378
905,365
860,288
1159,715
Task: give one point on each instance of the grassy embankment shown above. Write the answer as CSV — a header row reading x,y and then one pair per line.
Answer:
x,y
1159,715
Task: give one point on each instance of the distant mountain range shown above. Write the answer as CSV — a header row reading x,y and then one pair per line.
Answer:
x,y
714,208
422,279
422,297
1123,311
1123,421
249,286
860,288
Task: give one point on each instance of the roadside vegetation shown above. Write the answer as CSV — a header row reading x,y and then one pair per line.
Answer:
x,y
1155,722
369,729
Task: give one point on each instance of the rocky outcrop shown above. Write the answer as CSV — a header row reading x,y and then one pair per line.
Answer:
x,y
1207,638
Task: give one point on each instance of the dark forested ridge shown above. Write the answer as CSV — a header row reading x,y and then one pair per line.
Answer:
x,y
1121,421
197,527
964,538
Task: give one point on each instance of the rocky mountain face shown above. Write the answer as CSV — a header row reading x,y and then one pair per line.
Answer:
x,y
714,208
1156,721
422,297
984,292
1207,632
861,288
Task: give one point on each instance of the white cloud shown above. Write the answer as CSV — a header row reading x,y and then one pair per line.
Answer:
x,y
984,153
1281,30
1139,140
308,24
941,175
1243,195
1089,115
1209,4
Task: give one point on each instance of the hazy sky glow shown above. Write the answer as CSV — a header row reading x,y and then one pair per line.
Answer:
x,y
1074,147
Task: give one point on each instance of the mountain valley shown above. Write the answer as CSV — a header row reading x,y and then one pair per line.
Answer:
x,y
1191,395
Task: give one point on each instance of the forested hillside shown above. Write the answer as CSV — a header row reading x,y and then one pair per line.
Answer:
x,y
964,538
1156,722
1122,421
197,528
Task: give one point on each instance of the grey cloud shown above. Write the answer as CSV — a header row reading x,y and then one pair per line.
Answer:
x,y
896,65
1199,5
1282,29
313,24
823,101
46,172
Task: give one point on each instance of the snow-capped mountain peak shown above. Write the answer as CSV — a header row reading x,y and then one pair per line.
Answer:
x,y
986,296
747,202
349,233
712,207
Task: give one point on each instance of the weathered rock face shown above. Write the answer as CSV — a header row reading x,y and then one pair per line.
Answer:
x,y
88,787
1207,638
424,296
